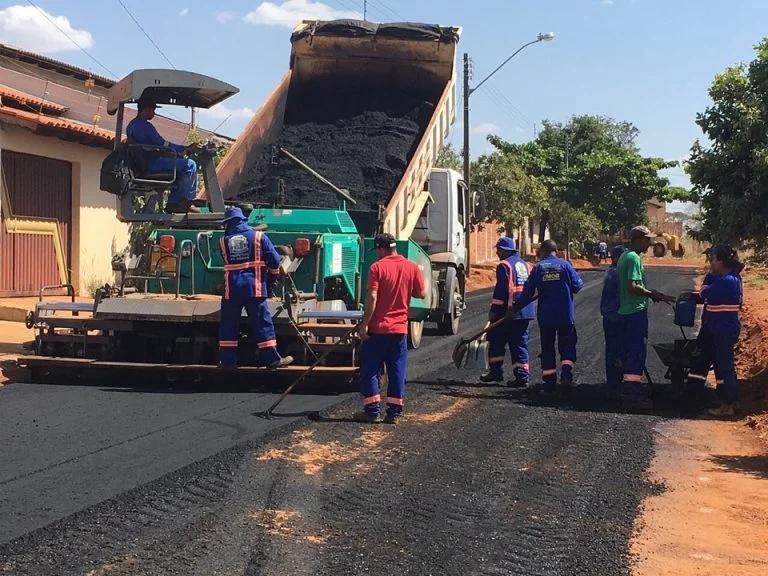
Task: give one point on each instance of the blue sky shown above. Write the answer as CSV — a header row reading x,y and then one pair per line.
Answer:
x,y
646,61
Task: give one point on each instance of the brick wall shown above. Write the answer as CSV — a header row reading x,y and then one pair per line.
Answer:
x,y
483,244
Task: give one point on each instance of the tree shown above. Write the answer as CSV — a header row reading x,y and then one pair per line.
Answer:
x,y
448,158
730,176
593,165
511,194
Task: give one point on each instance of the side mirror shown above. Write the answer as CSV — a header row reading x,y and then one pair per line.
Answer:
x,y
478,206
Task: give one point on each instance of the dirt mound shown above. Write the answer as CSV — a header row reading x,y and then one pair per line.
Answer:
x,y
360,137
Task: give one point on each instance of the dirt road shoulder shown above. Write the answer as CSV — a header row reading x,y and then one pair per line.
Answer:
x,y
713,516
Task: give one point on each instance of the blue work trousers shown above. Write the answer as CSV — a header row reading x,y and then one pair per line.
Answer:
x,y
379,350
613,370
715,350
702,361
512,334
634,340
725,371
566,346
186,177
262,329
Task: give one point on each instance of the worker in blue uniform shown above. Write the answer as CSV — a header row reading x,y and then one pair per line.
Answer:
x,y
702,360
141,131
511,275
722,298
250,261
556,282
609,309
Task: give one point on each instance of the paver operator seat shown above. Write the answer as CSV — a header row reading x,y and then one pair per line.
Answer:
x,y
124,171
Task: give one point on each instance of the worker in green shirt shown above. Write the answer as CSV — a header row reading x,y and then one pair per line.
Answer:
x,y
633,316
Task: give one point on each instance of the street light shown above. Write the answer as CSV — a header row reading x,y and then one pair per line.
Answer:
x,y
546,37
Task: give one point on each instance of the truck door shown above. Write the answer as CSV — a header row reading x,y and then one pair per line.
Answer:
x,y
459,220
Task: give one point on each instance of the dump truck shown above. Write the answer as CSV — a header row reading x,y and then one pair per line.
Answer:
x,y
317,196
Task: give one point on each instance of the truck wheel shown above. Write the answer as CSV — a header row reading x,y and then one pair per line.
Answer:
x,y
449,323
659,250
415,330
679,253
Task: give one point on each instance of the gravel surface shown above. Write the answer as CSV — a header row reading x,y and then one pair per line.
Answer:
x,y
476,480
361,138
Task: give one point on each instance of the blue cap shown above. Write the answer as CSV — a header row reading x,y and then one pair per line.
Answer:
x,y
506,243
617,251
233,213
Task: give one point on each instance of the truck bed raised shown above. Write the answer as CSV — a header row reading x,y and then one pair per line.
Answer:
x,y
368,106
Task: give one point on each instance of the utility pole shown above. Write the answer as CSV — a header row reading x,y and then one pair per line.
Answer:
x,y
467,223
194,119
365,9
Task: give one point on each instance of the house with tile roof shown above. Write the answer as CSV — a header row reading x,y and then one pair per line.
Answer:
x,y
58,227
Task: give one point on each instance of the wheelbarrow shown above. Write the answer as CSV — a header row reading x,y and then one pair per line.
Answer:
x,y
677,357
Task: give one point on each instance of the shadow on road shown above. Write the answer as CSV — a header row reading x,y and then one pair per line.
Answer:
x,y
756,466
580,398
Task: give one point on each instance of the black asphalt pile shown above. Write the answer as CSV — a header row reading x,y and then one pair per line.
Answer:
x,y
360,137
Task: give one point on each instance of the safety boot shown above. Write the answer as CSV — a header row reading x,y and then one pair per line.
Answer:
x,y
517,383
282,363
723,411
491,377
366,417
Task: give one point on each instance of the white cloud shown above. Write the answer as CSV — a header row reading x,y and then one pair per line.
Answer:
x,y
224,17
184,12
29,28
221,112
485,128
290,12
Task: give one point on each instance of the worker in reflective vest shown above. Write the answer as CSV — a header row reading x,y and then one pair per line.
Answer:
x,y
511,274
250,260
722,298
556,282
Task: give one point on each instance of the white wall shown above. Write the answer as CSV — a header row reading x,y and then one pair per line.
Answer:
x,y
95,228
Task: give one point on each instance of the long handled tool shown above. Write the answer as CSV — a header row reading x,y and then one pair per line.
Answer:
x,y
341,341
460,351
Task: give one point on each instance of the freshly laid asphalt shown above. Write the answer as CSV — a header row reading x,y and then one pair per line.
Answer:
x,y
124,480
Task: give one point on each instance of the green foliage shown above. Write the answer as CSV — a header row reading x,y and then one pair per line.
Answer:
x,y
511,194
572,224
730,175
592,166
447,157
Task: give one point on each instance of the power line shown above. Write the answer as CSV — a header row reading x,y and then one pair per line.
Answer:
x,y
71,39
388,9
145,33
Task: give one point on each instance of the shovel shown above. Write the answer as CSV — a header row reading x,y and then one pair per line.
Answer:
x,y
460,351
343,341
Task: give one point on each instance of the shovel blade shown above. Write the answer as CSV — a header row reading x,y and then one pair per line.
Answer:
x,y
459,352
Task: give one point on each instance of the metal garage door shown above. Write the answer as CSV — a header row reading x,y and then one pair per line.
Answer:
x,y
35,239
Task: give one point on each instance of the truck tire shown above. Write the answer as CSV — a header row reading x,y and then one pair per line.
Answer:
x,y
659,250
415,330
449,323
679,253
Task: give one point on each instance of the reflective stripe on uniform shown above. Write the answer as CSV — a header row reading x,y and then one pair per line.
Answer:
x,y
227,343
267,344
633,377
372,399
226,276
394,401
510,284
723,308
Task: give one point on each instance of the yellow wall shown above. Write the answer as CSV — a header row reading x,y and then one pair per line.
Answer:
x,y
95,228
